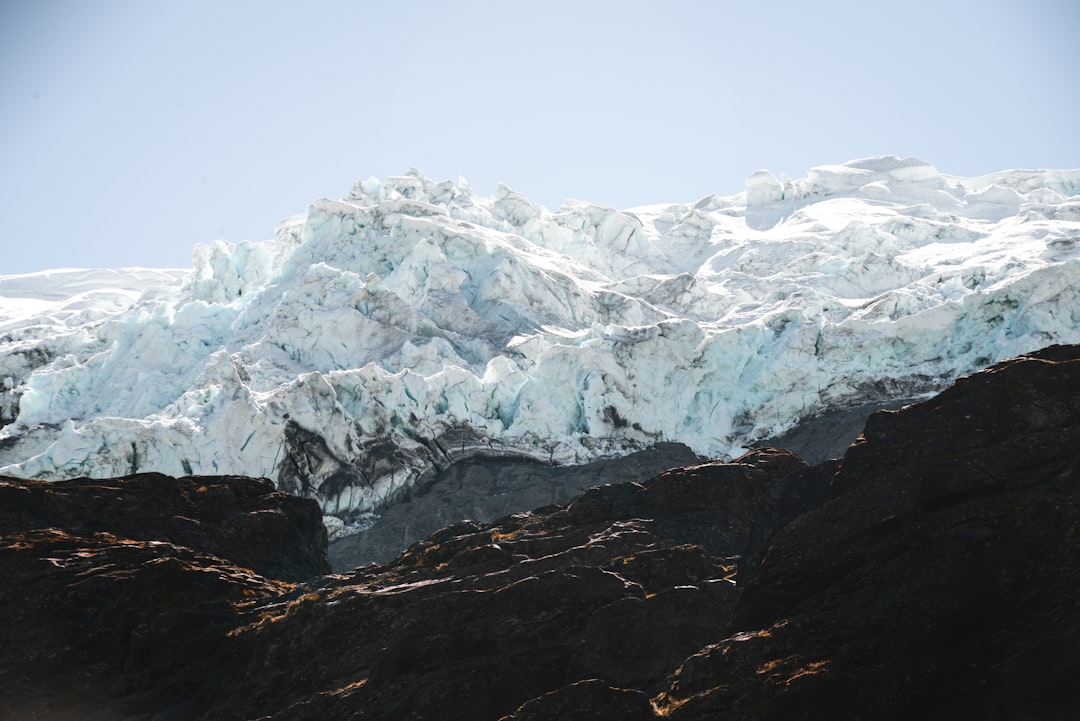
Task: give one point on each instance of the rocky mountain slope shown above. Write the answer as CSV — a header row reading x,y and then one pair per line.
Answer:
x,y
929,573
380,338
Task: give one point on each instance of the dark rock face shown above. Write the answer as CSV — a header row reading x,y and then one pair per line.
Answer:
x,y
117,594
479,619
487,488
242,520
820,438
936,578
930,573
103,627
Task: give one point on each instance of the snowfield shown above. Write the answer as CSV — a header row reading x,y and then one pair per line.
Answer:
x,y
412,323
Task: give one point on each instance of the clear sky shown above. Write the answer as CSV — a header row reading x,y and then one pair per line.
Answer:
x,y
130,130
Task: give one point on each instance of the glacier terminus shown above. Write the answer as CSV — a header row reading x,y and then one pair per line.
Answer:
x,y
412,324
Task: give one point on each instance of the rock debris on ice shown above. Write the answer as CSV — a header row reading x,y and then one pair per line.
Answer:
x,y
413,323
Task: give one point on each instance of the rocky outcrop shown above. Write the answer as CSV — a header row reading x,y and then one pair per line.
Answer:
x,y
827,435
929,573
118,593
486,488
242,520
936,578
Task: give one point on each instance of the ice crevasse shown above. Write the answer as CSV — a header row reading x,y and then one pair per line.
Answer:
x,y
413,323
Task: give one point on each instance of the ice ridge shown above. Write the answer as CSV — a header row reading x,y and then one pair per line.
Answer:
x,y
412,323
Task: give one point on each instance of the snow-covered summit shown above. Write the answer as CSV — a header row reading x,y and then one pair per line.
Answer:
x,y
412,323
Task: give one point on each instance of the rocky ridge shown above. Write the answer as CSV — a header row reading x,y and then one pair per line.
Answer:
x,y
929,573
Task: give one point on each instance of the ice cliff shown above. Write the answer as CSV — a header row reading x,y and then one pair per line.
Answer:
x,y
414,323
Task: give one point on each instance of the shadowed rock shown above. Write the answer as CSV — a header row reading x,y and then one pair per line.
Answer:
x,y
487,488
930,573
242,520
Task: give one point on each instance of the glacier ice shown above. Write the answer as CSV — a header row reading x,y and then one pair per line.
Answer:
x,y
414,323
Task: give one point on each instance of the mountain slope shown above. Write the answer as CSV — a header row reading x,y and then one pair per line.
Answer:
x,y
380,338
929,573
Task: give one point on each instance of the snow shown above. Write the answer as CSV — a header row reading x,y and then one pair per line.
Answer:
x,y
413,323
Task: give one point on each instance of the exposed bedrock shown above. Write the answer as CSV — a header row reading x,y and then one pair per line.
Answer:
x,y
241,520
484,488
932,574
929,573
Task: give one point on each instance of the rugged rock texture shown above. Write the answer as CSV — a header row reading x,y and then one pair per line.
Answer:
x,y
828,435
930,573
939,577
486,488
117,594
242,520
102,627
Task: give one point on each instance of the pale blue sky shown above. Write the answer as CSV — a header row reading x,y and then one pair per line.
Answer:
x,y
132,130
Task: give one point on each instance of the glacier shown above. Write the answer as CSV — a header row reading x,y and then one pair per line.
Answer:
x,y
412,324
